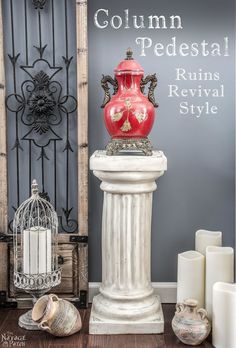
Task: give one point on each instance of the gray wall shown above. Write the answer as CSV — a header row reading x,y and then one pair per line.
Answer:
x,y
197,191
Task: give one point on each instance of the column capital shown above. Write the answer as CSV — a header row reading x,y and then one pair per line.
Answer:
x,y
128,173
128,163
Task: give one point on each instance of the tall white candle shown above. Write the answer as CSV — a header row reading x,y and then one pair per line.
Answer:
x,y
37,250
223,317
191,277
205,238
219,267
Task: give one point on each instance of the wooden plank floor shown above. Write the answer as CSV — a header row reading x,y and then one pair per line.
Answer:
x,y
40,339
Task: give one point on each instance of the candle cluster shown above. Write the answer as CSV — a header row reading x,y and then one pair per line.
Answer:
x,y
199,274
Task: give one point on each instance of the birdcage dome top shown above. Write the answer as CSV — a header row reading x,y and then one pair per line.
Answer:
x,y
35,212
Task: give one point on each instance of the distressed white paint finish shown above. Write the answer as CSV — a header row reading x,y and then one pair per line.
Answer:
x,y
224,318
166,290
219,268
127,302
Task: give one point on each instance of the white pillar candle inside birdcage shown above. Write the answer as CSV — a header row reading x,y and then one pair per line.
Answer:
x,y
37,250
35,228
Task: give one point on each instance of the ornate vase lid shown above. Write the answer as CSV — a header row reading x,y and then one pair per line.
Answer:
x,y
129,65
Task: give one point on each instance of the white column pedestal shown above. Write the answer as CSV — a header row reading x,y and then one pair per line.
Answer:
x,y
126,303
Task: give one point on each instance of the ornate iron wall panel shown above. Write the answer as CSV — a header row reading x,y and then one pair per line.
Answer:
x,y
43,131
40,63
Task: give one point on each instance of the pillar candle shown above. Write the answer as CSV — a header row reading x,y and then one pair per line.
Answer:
x,y
204,238
191,277
219,267
36,250
223,317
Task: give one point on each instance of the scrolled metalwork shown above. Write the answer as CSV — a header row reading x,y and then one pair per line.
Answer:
x,y
42,104
116,146
151,88
39,4
104,83
34,212
30,282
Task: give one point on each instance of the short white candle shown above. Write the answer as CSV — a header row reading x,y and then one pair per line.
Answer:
x,y
191,277
36,250
205,238
219,267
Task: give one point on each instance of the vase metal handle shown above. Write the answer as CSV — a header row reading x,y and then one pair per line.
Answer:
x,y
151,88
104,83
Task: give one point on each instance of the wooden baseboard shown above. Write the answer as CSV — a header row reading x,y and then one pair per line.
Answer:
x,y
166,291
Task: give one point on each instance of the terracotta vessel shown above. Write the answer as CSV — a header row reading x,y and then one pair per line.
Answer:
x,y
191,324
56,316
129,114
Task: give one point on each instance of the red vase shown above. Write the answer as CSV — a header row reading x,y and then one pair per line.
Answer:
x,y
129,114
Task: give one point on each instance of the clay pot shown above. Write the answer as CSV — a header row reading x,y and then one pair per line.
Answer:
x,y
56,316
191,324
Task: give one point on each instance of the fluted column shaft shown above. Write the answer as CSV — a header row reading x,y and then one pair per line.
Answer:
x,y
126,302
126,237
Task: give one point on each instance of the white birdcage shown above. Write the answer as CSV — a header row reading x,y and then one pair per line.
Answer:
x,y
35,238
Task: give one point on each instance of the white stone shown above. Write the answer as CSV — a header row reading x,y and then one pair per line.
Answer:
x,y
205,238
219,268
126,302
191,277
224,318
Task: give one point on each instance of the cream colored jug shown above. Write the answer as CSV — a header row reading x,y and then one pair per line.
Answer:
x,y
56,316
191,324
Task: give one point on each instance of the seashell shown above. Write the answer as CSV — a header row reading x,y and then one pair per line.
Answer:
x,y
56,316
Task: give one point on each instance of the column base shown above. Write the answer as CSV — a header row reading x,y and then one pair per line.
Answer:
x,y
106,326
